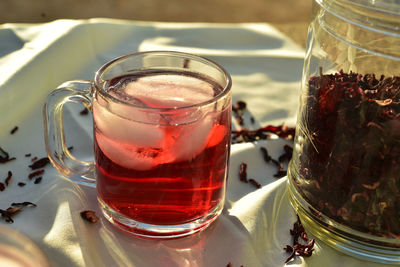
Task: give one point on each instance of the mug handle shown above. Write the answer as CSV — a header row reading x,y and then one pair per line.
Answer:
x,y
82,172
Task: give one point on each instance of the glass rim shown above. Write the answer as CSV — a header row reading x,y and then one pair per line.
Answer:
x,y
226,88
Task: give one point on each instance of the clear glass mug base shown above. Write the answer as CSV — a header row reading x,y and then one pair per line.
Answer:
x,y
339,237
159,232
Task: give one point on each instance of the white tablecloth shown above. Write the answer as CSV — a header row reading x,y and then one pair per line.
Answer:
x,y
254,226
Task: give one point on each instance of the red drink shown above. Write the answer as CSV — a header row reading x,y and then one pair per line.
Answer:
x,y
162,124
162,166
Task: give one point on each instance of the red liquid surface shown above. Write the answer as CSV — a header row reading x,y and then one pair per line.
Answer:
x,y
164,186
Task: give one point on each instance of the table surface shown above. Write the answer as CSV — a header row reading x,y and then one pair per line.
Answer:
x,y
254,227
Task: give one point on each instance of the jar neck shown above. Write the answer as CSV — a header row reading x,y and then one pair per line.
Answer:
x,y
382,16
362,24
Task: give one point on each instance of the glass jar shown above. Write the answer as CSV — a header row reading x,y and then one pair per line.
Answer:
x,y
344,177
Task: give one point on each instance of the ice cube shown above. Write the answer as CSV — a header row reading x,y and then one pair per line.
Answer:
x,y
129,155
169,90
192,139
127,131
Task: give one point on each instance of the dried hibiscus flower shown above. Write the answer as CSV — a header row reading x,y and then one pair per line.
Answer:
x,y
89,216
348,162
40,163
4,156
298,248
15,208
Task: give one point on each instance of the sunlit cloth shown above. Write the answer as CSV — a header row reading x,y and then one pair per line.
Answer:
x,y
254,226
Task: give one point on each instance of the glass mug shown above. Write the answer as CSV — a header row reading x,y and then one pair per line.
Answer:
x,y
162,123
344,178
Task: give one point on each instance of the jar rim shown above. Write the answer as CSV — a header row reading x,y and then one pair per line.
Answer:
x,y
378,15
385,6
